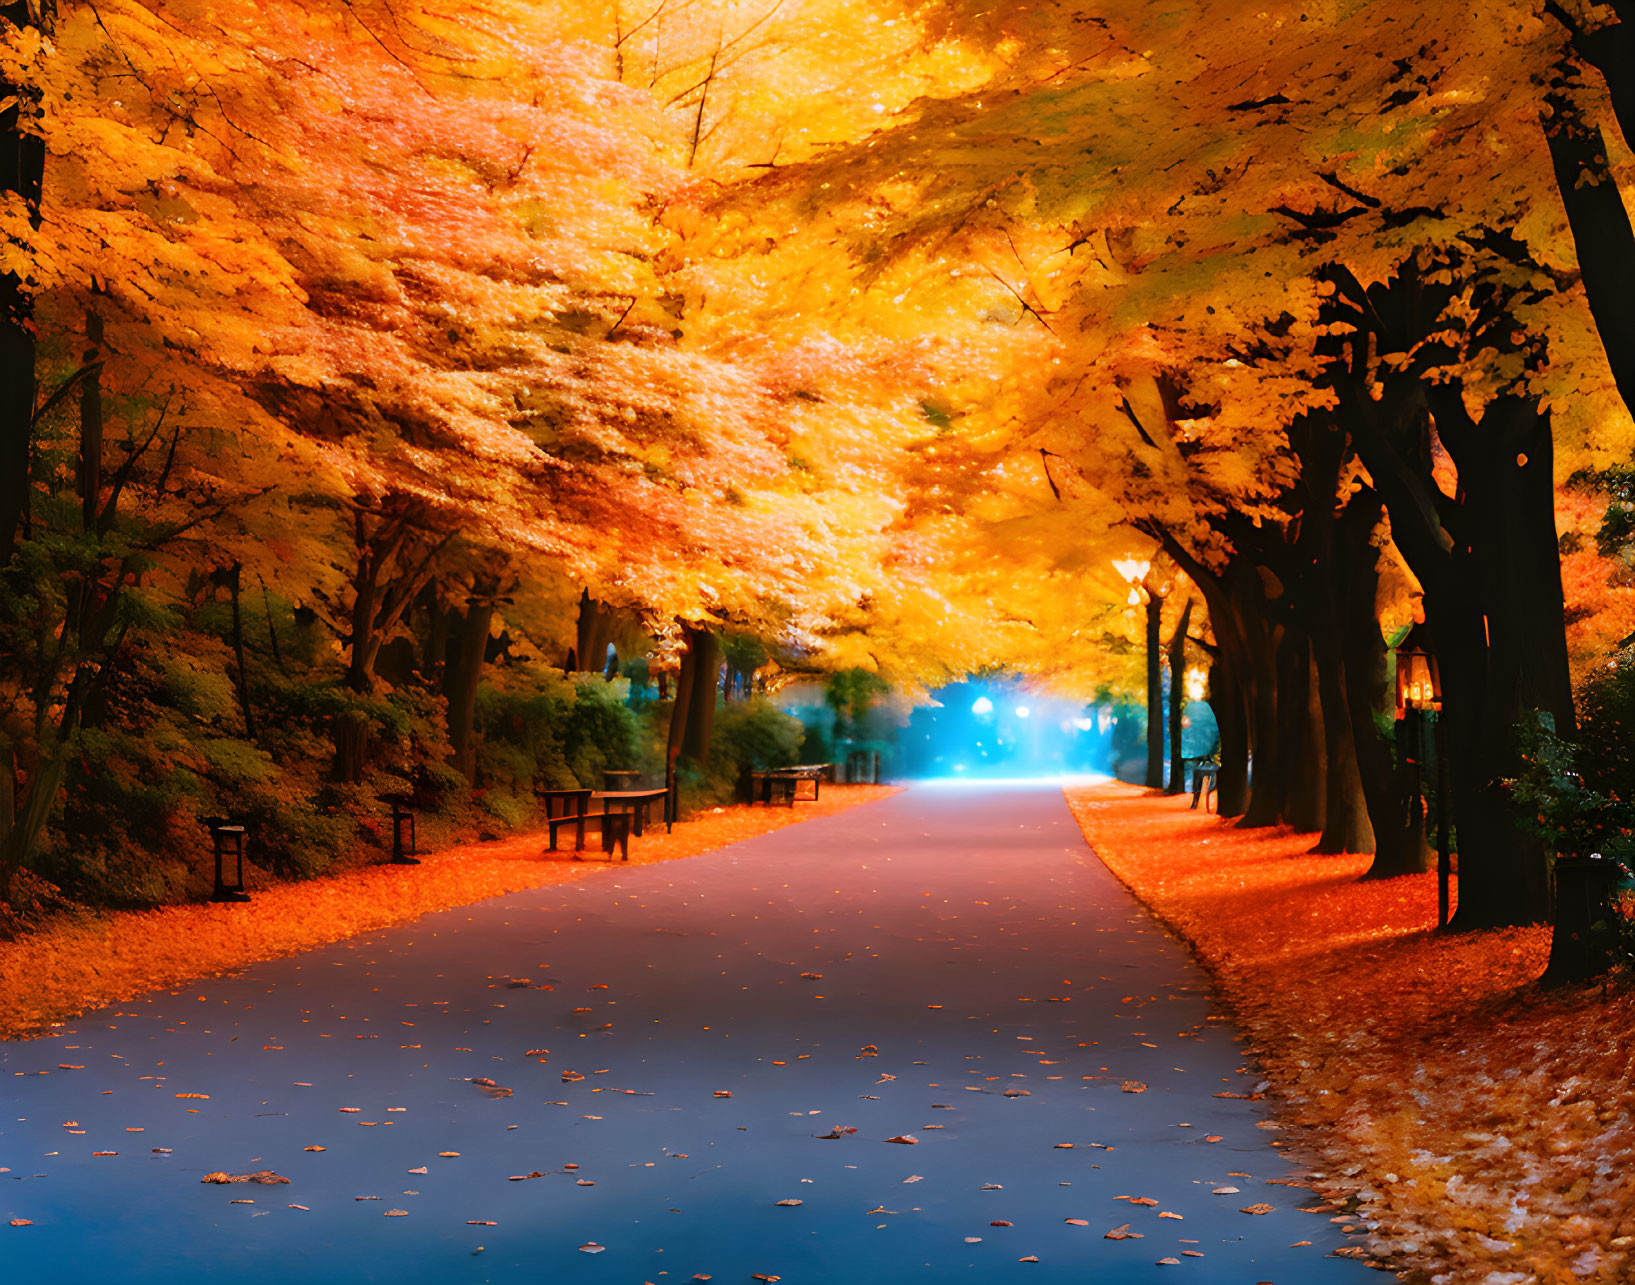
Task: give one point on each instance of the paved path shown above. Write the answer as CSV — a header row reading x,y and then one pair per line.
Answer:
x,y
950,966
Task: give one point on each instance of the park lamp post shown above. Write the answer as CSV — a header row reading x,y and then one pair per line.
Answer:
x,y
1419,689
1137,573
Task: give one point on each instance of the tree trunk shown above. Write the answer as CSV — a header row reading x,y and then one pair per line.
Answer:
x,y
1493,600
1346,823
22,173
376,610
706,652
90,424
1596,214
1227,702
1155,693
1507,655
592,635
234,578
1177,700
462,675
1266,781
1300,731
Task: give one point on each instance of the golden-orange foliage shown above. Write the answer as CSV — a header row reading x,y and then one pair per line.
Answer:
x,y
1485,1126
78,964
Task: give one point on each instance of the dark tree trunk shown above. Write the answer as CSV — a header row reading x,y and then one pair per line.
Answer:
x,y
90,424
1595,208
1177,700
1499,624
1229,675
464,672
1323,547
234,582
1155,693
1300,729
1227,702
1493,600
706,651
1399,830
1346,823
594,632
377,606
1266,780
22,172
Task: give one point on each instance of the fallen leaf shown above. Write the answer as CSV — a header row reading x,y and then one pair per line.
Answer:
x,y
1077,1222
422,1169
1224,1191
264,1176
1142,1200
1169,1262
790,1204
1166,1214
313,1148
394,1213
1031,1258
22,1222
1133,1086
1001,1223
906,1138
202,1097
1122,1232
1018,1093
448,1155
1261,1208
480,1222
723,1093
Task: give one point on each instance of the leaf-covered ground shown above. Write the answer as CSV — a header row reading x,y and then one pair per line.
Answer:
x,y
1485,1128
82,962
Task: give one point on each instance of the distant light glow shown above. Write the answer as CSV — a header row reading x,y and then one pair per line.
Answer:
x,y
982,705
1022,711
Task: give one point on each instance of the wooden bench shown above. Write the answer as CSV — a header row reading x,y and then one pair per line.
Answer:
x,y
785,782
763,786
634,803
566,807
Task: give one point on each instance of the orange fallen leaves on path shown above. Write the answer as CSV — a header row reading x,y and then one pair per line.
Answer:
x,y
82,962
1485,1126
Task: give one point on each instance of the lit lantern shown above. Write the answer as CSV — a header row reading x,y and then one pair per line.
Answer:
x,y
1419,683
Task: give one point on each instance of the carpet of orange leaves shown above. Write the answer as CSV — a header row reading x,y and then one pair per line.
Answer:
x,y
81,962
1485,1128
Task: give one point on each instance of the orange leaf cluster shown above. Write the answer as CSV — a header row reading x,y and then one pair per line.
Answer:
x,y
1485,1126
81,963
